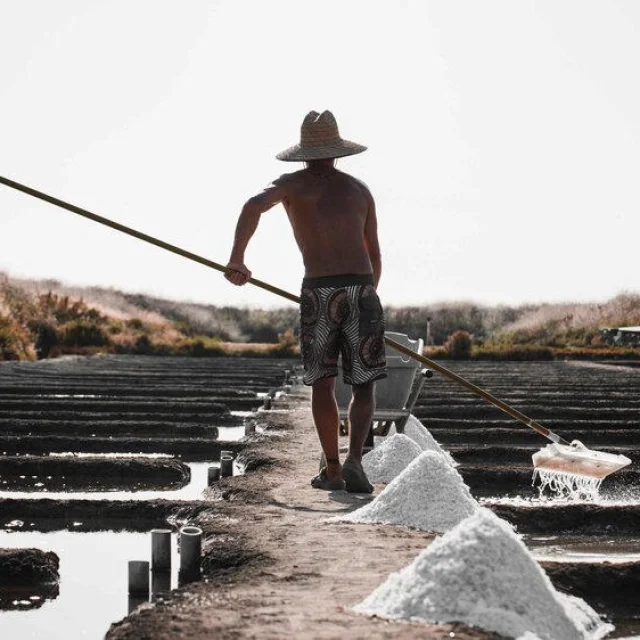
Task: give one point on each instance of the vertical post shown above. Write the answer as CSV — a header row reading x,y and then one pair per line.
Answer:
x,y
213,475
161,550
226,466
427,341
139,578
190,551
160,582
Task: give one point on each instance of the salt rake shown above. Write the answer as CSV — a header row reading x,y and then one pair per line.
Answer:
x,y
562,465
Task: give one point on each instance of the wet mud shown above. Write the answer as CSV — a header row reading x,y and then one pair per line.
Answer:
x,y
575,519
28,567
607,586
192,449
43,473
28,578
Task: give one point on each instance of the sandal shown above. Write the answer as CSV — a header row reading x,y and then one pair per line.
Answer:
x,y
355,478
322,481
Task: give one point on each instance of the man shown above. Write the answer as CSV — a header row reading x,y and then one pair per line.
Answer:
x,y
334,223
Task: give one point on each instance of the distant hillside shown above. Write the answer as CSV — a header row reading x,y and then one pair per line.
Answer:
x,y
45,318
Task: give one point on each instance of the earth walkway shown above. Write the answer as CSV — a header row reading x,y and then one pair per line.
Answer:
x,y
272,567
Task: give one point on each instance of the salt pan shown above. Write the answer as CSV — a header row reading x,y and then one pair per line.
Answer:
x,y
480,573
389,459
429,495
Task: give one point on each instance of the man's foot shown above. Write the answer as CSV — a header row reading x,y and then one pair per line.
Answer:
x,y
355,478
324,482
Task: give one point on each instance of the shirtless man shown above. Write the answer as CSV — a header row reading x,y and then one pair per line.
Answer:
x,y
334,222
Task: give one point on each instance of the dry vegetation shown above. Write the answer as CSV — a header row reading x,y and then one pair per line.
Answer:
x,y
47,319
41,319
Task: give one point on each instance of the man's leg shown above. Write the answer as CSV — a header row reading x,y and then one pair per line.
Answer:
x,y
327,421
360,417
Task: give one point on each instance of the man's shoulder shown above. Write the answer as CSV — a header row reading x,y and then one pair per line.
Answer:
x,y
360,184
288,178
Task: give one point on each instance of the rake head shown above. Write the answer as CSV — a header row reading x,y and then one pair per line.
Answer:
x,y
576,459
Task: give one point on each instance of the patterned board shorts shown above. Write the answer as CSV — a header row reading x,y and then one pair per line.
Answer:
x,y
342,315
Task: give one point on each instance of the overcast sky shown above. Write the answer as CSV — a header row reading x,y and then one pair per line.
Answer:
x,y
503,139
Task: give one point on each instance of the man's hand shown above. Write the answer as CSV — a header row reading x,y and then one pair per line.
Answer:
x,y
237,273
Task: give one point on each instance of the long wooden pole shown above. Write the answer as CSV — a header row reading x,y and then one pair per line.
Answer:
x,y
141,236
514,413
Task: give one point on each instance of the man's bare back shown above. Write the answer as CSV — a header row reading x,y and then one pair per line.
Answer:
x,y
333,218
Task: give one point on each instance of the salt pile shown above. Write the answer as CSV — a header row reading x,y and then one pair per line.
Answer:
x,y
429,495
391,458
480,573
420,435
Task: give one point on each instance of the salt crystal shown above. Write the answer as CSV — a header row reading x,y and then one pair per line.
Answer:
x,y
421,435
429,495
389,459
480,573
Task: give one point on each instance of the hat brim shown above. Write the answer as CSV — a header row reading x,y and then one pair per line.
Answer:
x,y
337,149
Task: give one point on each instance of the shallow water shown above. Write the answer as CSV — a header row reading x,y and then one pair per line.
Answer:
x,y
584,548
192,491
93,583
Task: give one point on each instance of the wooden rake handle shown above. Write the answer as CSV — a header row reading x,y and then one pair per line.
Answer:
x,y
496,402
514,413
141,236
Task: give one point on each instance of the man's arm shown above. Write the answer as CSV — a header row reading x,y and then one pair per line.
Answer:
x,y
237,272
371,238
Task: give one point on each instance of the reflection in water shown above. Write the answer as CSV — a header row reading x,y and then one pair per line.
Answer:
x,y
566,548
93,583
32,597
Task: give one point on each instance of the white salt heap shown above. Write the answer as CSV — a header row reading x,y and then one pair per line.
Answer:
x,y
481,574
421,436
391,458
429,495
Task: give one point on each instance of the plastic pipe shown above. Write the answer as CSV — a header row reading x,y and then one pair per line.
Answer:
x,y
213,475
139,578
161,550
190,550
226,466
160,582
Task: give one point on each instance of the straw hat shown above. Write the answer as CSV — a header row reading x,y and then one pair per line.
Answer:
x,y
320,139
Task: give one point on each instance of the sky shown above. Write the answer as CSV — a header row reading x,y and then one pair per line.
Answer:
x,y
503,135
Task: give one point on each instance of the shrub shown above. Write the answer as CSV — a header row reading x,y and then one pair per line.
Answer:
x,y
458,345
14,340
205,347
517,352
143,345
46,339
135,323
83,333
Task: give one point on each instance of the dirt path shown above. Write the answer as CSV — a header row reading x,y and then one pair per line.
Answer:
x,y
274,568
